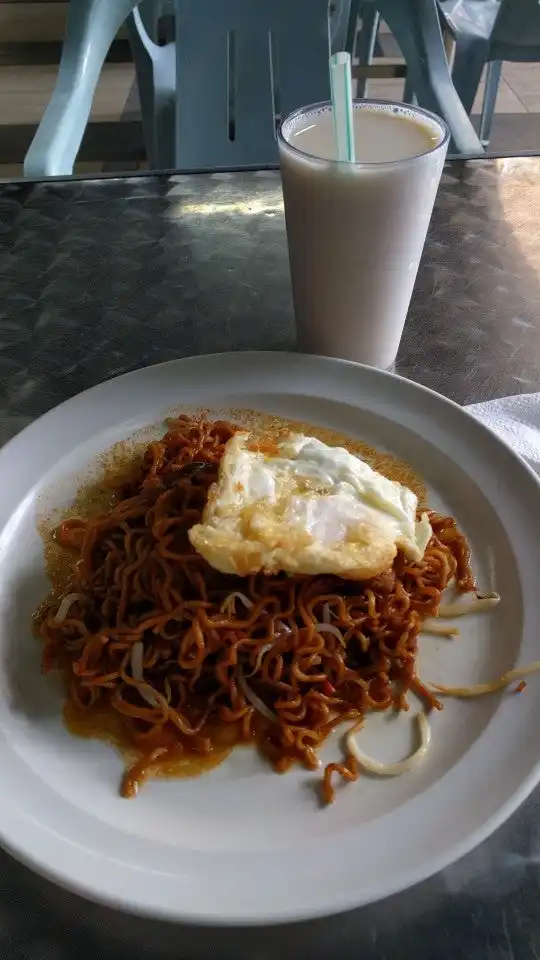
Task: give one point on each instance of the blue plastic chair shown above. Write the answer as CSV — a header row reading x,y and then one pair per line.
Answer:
x,y
339,16
364,24
210,99
416,26
490,31
470,23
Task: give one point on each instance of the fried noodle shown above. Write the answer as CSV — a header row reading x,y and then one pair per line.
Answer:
x,y
175,650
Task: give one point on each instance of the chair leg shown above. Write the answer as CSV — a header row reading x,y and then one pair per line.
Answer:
x,y
339,13
449,49
490,99
416,27
352,27
408,92
469,62
90,30
367,39
143,59
165,104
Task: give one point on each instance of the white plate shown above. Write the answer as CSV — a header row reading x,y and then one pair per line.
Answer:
x,y
241,844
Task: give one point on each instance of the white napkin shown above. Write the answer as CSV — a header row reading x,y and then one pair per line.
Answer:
x,y
516,420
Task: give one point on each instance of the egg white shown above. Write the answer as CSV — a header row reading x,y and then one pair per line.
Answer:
x,y
309,508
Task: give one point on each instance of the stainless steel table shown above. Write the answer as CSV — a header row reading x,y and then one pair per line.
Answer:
x,y
99,277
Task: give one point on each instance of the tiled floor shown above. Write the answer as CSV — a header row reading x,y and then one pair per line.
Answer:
x,y
519,91
25,92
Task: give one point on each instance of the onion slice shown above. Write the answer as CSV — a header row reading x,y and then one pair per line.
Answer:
x,y
480,689
364,642
254,700
228,606
476,604
65,606
137,653
400,766
330,628
260,655
431,625
229,602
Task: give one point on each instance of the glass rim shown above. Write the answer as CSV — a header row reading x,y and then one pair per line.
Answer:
x,y
445,132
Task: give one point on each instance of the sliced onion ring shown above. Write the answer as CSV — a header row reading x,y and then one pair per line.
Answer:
x,y
137,653
481,689
330,628
400,766
65,606
476,604
364,642
254,700
145,691
260,655
432,625
229,601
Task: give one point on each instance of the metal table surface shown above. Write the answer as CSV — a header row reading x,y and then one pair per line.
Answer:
x,y
100,277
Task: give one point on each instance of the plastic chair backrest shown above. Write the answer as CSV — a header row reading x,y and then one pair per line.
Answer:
x,y
241,66
516,33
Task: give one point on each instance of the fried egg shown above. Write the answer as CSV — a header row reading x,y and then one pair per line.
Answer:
x,y
306,508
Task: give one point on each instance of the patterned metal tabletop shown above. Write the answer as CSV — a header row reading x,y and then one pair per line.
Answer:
x,y
100,277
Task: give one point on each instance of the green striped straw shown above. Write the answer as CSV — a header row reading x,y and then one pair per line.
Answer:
x,y
342,107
